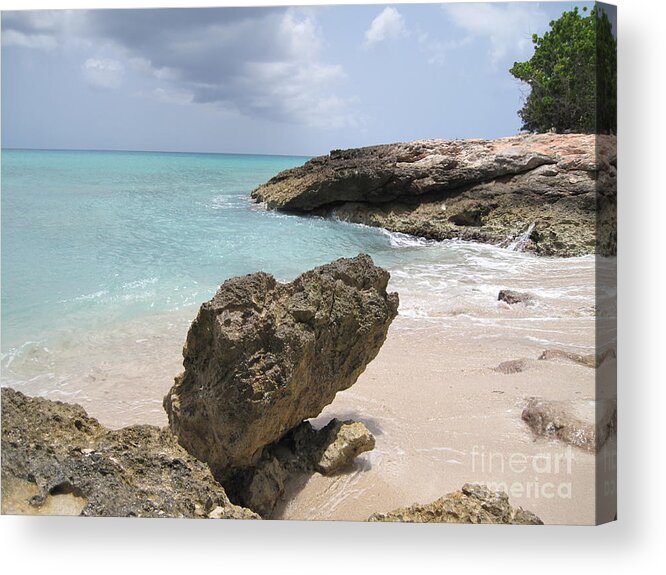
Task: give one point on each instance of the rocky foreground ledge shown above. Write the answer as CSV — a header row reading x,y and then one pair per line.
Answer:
x,y
56,460
552,194
472,504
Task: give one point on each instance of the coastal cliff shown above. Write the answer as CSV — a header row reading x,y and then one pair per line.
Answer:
x,y
552,194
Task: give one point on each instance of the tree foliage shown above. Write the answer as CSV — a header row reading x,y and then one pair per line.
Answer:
x,y
572,75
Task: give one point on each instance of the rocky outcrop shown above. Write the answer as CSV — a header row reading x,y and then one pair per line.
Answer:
x,y
472,504
301,452
554,194
586,424
262,356
57,460
512,297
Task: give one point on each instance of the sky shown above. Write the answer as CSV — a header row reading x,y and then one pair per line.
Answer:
x,y
271,80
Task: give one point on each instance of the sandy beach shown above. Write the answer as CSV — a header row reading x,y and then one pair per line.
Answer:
x,y
440,424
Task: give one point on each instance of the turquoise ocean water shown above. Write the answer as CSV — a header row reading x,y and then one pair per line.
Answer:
x,y
106,257
100,237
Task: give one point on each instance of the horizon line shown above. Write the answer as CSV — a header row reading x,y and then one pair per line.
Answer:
x,y
21,149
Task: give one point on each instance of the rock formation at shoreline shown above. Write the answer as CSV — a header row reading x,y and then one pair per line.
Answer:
x,y
553,194
586,424
472,504
261,357
57,460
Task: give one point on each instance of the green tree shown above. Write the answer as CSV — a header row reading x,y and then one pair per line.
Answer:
x,y
572,75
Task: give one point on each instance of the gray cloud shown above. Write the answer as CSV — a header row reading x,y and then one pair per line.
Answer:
x,y
263,62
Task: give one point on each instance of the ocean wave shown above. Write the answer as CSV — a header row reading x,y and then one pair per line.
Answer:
x,y
400,240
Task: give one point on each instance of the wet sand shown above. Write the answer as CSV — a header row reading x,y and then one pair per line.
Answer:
x,y
443,417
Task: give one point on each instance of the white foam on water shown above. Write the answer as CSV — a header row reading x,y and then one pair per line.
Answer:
x,y
400,240
518,245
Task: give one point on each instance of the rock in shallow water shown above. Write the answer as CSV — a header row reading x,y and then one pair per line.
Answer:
x,y
582,423
473,504
513,297
58,460
263,356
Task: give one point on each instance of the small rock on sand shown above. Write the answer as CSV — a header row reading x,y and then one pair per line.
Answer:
x,y
513,297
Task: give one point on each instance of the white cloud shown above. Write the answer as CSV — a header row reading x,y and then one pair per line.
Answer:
x,y
39,41
508,27
388,25
294,90
302,38
103,73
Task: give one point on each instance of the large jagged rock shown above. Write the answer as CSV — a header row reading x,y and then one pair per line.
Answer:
x,y
57,460
483,190
263,356
586,424
473,504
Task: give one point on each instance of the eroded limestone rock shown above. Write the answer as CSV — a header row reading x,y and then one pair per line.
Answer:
x,y
261,357
58,460
472,504
562,186
582,423
513,297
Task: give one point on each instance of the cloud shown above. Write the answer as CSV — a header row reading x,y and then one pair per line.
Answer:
x,y
39,41
261,62
35,30
388,25
40,29
508,27
103,73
